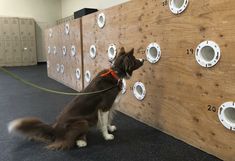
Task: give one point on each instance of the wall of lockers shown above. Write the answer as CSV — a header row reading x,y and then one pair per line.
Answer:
x,y
17,41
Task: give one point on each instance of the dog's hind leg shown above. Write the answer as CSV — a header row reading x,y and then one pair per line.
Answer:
x,y
73,132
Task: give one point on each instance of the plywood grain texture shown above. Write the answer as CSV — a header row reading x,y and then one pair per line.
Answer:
x,y
52,59
71,63
179,91
101,38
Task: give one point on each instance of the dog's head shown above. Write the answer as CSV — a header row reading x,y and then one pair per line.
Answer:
x,y
126,63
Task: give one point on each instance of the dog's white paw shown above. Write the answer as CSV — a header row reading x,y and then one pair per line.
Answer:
x,y
112,128
108,137
81,143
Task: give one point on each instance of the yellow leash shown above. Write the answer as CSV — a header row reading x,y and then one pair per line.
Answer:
x,y
50,90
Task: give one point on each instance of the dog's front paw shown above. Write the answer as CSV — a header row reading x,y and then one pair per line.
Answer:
x,y
112,128
81,143
108,137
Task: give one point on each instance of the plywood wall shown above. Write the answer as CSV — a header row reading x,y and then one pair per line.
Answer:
x,y
71,63
93,35
179,91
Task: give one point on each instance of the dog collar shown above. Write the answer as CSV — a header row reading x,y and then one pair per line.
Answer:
x,y
112,72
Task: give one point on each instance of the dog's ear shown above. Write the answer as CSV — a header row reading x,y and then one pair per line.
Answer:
x,y
122,51
131,52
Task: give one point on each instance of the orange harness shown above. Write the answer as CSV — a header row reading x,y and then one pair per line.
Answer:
x,y
112,72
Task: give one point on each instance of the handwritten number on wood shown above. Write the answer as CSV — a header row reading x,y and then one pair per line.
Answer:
x,y
211,108
190,51
165,3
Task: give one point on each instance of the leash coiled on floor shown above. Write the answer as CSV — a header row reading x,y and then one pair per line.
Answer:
x,y
50,90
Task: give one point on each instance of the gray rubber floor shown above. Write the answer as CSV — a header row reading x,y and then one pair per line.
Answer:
x,y
134,141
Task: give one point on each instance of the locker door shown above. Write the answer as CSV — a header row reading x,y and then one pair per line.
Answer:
x,y
1,29
17,52
23,30
2,55
25,52
31,29
8,45
6,29
32,52
15,30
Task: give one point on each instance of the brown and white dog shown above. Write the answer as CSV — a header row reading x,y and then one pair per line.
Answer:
x,y
83,112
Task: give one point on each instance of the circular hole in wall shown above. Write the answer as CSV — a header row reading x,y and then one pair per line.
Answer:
x,y
88,76
66,29
207,54
64,50
153,53
78,73
58,68
62,69
92,51
226,115
178,3
178,6
230,114
112,52
101,20
139,90
73,50
54,50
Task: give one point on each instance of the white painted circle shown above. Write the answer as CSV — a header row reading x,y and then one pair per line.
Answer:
x,y
62,69
49,50
88,76
50,32
73,50
178,6
226,114
101,20
58,68
66,29
54,50
92,51
78,73
207,54
112,52
139,90
64,50
153,53
123,86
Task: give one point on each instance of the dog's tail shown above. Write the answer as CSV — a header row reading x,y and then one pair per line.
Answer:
x,y
32,128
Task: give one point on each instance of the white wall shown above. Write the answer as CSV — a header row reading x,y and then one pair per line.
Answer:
x,y
45,13
70,6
